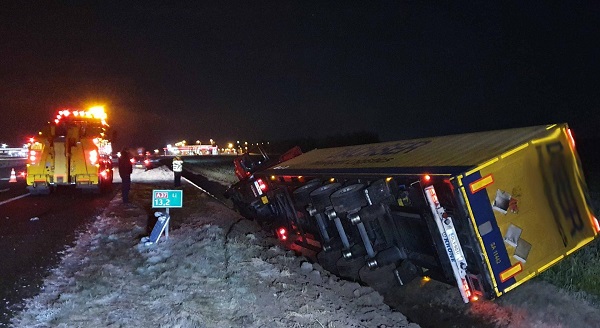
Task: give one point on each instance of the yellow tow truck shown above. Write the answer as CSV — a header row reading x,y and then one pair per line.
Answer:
x,y
72,150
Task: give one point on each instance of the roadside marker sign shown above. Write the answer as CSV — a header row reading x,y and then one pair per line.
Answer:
x,y
167,198
162,225
163,199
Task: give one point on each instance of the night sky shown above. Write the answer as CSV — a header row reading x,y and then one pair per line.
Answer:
x,y
275,70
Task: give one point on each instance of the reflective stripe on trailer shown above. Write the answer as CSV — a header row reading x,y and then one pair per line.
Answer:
x,y
511,272
492,240
477,185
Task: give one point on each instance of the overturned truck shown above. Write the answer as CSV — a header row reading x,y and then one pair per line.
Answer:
x,y
483,211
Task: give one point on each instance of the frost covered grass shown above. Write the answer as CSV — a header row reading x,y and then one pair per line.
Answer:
x,y
215,270
217,172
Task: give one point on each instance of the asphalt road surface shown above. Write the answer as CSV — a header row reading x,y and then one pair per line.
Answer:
x,y
33,232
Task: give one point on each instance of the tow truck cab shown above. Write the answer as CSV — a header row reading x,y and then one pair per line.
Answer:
x,y
71,150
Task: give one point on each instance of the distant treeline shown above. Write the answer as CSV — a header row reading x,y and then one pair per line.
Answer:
x,y
310,143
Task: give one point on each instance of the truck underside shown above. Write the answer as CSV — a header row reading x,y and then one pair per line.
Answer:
x,y
366,226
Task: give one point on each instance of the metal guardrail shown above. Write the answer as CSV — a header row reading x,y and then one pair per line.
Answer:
x,y
13,152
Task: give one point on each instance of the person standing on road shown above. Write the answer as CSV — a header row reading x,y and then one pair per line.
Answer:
x,y
177,170
125,169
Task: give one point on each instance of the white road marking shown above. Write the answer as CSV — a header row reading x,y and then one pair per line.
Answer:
x,y
14,198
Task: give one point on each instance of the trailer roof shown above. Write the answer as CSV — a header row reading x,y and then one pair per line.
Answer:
x,y
445,155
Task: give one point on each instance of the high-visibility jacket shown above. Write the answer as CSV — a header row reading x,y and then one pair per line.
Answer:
x,y
177,165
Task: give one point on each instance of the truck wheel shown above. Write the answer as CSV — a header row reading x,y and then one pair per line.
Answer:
x,y
350,198
105,185
302,194
349,268
328,260
241,208
380,278
320,196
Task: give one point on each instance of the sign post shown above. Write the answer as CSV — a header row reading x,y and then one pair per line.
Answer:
x,y
163,199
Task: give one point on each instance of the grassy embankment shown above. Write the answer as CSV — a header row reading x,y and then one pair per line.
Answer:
x,y
580,272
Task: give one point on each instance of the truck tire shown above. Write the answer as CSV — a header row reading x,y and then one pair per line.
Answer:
x,y
302,194
381,278
105,186
349,199
320,196
350,268
328,260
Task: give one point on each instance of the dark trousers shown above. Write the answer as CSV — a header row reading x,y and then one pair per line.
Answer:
x,y
177,179
125,186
